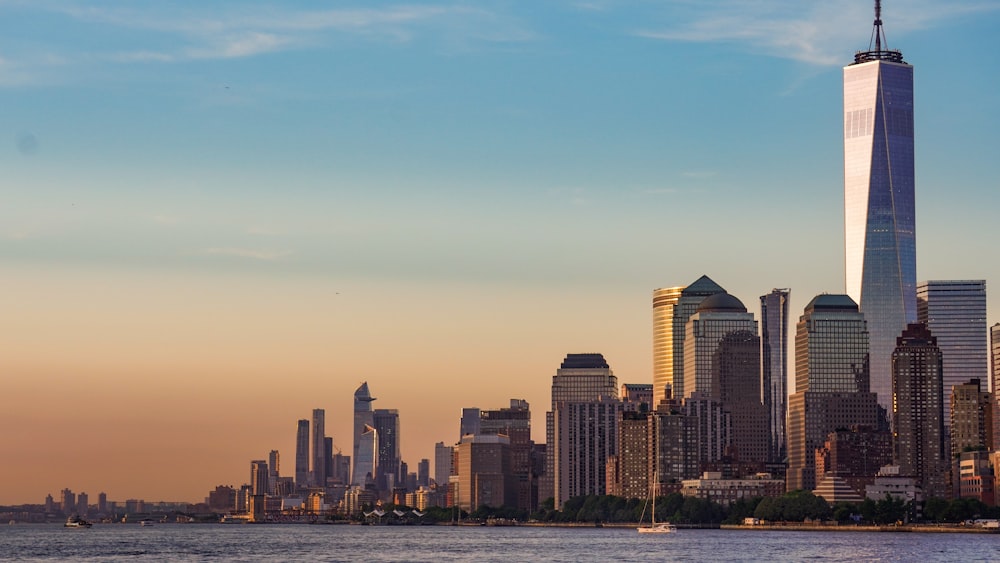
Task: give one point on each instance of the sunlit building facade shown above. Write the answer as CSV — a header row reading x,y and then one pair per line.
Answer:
x,y
363,418
955,312
774,366
918,437
831,382
664,302
881,264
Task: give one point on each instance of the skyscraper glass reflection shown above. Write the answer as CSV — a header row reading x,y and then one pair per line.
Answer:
x,y
879,199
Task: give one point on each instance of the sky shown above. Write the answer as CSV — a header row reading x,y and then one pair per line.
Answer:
x,y
218,216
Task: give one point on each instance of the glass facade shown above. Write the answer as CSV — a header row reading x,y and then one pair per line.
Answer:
x,y
774,365
955,312
687,304
879,206
363,418
664,301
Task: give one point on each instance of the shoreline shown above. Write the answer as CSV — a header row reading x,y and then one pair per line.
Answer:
x,y
916,528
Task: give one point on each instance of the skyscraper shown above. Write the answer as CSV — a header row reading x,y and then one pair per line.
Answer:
x,y
515,423
362,418
995,381
881,263
831,382
581,378
386,423
442,464
664,301
319,448
366,461
971,417
774,366
258,477
302,454
690,297
917,398
722,362
955,313
274,469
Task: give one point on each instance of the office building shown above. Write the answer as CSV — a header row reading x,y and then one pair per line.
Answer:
x,y
485,477
389,473
687,304
673,437
470,422
442,463
515,423
363,418
637,397
585,434
995,381
881,263
366,461
774,367
318,448
664,302
854,456
971,417
580,378
831,382
722,362
258,477
302,453
917,422
628,472
955,313
423,472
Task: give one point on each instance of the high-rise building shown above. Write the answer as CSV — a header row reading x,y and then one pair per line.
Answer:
x,y
881,262
971,417
831,382
484,472
362,419
67,502
515,423
664,301
470,422
722,362
955,313
273,463
302,453
442,463
423,472
774,366
995,381
917,399
388,474
366,460
586,433
82,503
854,456
258,477
581,378
637,397
995,359
628,471
319,448
687,304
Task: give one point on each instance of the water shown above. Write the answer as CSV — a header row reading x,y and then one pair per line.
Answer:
x,y
218,542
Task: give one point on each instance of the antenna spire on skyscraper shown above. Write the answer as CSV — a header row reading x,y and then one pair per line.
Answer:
x,y
878,38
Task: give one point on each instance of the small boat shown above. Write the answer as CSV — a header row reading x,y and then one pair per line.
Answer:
x,y
76,522
653,527
146,522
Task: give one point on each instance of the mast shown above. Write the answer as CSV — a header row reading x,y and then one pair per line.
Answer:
x,y
878,39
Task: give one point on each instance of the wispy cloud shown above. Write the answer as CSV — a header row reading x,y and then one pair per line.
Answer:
x,y
256,254
813,33
256,30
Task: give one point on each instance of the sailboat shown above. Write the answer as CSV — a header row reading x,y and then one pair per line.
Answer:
x,y
653,527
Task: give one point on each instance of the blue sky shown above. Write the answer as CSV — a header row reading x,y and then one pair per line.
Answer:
x,y
478,179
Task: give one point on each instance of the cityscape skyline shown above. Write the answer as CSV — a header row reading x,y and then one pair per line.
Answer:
x,y
164,279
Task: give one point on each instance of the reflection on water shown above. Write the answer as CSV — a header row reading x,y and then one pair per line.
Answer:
x,y
199,542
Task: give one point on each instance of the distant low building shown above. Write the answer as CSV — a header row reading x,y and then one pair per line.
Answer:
x,y
711,486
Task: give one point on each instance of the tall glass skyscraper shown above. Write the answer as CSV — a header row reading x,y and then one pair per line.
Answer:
x,y
774,365
881,270
319,448
363,419
955,312
302,453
